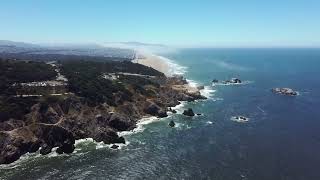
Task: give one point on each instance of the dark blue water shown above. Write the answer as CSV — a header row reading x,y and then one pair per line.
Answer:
x,y
280,141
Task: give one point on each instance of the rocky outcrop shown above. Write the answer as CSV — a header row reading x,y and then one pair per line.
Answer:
x,y
285,91
107,135
11,124
172,110
172,124
188,112
19,141
155,110
59,123
121,122
231,81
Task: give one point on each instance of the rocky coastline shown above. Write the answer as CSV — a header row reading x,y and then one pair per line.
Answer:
x,y
60,123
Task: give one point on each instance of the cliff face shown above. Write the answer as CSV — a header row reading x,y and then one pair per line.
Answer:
x,y
60,123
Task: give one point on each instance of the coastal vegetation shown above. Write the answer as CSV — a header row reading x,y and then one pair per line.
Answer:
x,y
13,71
86,79
99,99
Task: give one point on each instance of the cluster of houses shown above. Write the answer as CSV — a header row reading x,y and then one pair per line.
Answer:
x,y
53,87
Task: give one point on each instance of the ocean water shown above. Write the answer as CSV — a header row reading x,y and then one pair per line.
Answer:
x,y
281,140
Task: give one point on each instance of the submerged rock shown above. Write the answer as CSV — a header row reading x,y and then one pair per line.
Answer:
x,y
172,124
188,112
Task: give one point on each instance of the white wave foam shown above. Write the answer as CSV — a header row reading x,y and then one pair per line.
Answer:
x,y
176,69
217,99
192,83
140,126
83,141
179,107
207,91
18,162
98,145
181,126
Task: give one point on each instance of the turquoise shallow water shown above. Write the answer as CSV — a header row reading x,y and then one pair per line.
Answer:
x,y
280,141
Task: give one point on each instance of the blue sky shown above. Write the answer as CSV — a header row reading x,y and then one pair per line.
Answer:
x,y
173,22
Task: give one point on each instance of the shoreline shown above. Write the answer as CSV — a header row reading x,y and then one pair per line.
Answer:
x,y
164,65
153,61
179,89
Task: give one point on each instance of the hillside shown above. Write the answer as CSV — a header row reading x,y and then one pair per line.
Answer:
x,y
94,100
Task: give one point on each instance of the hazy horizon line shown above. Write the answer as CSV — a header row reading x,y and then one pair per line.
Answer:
x,y
198,45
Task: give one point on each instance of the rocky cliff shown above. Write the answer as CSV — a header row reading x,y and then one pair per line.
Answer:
x,y
59,123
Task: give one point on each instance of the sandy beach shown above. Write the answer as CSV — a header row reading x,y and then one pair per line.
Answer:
x,y
153,61
163,66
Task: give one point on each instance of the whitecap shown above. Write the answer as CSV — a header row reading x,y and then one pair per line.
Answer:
x,y
207,92
140,126
83,141
192,83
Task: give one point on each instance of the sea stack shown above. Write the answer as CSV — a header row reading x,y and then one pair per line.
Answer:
x,y
188,112
172,124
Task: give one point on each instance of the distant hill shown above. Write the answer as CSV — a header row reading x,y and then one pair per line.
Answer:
x,y
134,43
17,44
27,51
140,46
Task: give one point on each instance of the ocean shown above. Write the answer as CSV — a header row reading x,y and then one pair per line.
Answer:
x,y
281,140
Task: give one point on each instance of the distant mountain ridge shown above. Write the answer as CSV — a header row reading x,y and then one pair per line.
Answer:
x,y
21,49
142,44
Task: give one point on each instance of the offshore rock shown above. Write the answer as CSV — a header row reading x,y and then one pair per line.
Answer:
x,y
172,124
285,91
188,112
